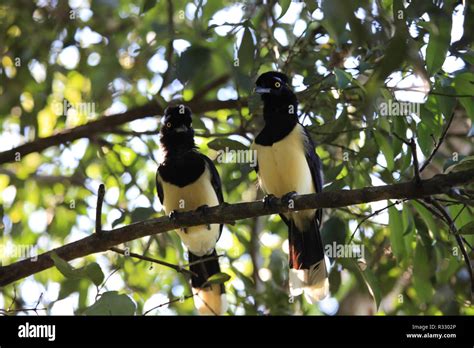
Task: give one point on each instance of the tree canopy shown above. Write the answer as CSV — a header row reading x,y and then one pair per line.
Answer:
x,y
386,88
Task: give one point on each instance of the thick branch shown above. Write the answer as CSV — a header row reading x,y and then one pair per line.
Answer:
x,y
231,212
105,124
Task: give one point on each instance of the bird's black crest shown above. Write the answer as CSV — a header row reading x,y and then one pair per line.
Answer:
x,y
180,113
268,77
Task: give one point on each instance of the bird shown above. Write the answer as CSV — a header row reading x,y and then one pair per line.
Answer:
x,y
287,165
188,180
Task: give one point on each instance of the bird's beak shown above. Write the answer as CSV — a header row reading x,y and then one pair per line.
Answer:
x,y
261,90
181,129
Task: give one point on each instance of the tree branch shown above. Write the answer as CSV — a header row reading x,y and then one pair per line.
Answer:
x,y
230,212
106,123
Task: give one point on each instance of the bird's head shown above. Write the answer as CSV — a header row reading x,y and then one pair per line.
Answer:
x,y
279,101
176,130
273,87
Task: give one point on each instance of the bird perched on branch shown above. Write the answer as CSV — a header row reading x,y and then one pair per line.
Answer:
x,y
188,180
288,165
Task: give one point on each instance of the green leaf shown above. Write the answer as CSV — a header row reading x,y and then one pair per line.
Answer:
x,y
466,163
425,141
426,216
438,45
111,303
68,286
386,148
218,278
422,272
64,267
142,213
343,78
408,222
92,271
246,53
396,232
335,185
119,220
332,173
223,143
446,104
467,229
464,83
367,276
285,5
193,60
335,20
373,285
333,231
148,5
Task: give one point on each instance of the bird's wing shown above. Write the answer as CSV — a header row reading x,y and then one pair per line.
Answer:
x,y
252,148
159,187
215,178
215,182
315,166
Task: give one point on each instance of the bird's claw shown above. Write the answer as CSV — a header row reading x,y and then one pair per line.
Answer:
x,y
173,215
269,201
288,197
203,210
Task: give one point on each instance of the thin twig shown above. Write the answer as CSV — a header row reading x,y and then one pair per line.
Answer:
x,y
34,309
177,268
377,212
169,302
458,238
416,166
440,141
203,260
412,145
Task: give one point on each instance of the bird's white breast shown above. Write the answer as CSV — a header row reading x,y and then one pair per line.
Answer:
x,y
198,239
283,167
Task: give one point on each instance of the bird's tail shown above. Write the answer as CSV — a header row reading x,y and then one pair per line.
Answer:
x,y
308,273
208,299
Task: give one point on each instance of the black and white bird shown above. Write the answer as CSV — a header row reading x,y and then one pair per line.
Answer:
x,y
287,164
188,180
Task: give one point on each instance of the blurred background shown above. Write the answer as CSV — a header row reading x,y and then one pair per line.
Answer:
x,y
67,63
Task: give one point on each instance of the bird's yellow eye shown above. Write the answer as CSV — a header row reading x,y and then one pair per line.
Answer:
x,y
277,84
168,124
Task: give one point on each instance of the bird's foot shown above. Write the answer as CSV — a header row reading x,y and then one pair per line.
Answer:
x,y
288,198
173,215
269,201
203,210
